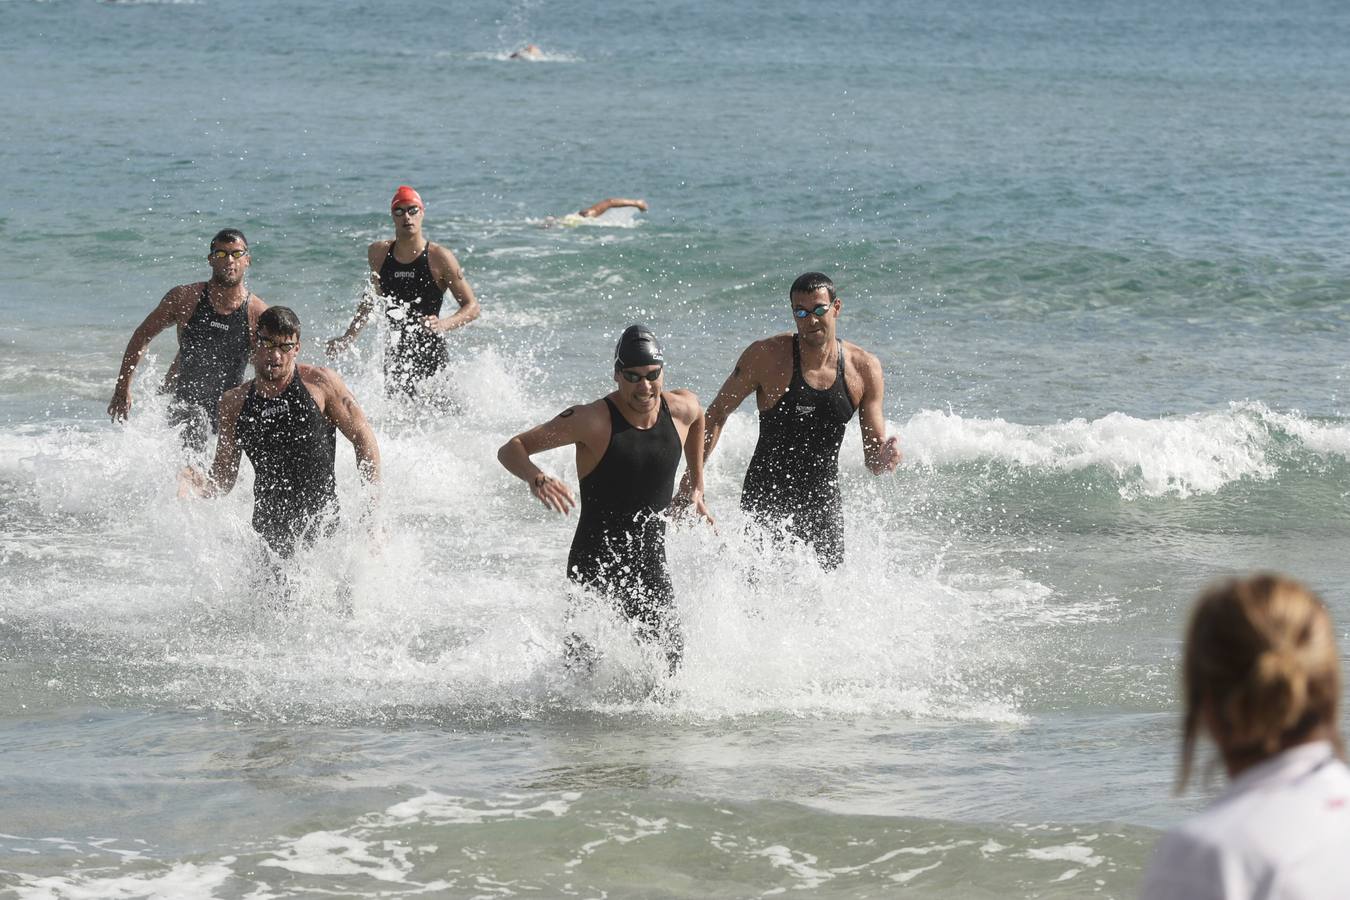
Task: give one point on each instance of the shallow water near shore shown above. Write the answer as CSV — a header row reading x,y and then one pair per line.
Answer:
x,y
1101,254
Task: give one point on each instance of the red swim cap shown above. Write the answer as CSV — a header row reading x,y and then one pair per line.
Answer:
x,y
405,194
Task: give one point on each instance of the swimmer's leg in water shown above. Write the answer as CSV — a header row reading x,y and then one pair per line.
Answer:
x,y
649,609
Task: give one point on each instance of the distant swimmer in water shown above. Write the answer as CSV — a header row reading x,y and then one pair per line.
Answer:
x,y
596,210
807,386
529,52
412,275
609,203
628,447
216,320
1261,678
285,420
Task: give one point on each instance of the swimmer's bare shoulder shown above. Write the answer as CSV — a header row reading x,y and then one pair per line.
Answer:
x,y
766,355
862,370
232,401
684,405
324,384
586,415
376,253
179,303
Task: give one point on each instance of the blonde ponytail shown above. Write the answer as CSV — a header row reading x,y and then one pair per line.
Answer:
x,y
1261,659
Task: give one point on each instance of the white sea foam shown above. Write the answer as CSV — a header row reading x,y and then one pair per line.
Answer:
x,y
329,853
181,881
435,808
1184,455
1075,853
1318,437
910,874
800,865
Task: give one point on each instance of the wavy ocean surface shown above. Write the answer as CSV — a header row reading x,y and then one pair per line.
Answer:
x,y
1101,252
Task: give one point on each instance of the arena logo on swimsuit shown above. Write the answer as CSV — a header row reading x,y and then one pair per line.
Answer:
x,y
221,325
405,274
269,412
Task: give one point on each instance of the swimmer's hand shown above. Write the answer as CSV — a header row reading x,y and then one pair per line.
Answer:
x,y
688,499
552,493
193,483
433,323
889,455
119,405
702,510
340,344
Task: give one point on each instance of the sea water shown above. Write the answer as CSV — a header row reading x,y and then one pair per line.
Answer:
x,y
1100,250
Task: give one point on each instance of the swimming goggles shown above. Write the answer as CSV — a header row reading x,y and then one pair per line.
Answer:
x,y
635,377
818,311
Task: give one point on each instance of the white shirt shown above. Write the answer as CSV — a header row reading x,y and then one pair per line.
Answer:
x,y
1280,832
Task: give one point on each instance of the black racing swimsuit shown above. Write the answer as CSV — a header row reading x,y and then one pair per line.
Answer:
x,y
412,351
291,445
620,544
212,355
793,478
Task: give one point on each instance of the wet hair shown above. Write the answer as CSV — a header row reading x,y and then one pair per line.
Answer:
x,y
280,321
809,283
226,235
1261,655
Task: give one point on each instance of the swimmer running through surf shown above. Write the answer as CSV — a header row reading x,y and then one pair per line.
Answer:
x,y
285,421
807,386
215,320
628,446
412,274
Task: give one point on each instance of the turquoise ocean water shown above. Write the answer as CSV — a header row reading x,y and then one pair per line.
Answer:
x,y
1101,250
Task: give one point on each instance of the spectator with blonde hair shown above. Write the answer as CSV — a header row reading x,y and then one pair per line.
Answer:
x,y
1261,677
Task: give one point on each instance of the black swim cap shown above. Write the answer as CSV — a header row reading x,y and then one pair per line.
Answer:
x,y
638,347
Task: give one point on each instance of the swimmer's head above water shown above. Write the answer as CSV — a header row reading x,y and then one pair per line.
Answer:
x,y
406,210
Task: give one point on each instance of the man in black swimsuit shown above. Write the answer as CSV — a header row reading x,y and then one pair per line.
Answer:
x,y
285,420
808,385
628,444
411,274
216,321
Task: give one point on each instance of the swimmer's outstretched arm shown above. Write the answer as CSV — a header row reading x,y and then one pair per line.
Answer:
x,y
881,454
587,427
174,309
448,274
741,383
515,455
685,410
341,408
609,203
364,307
